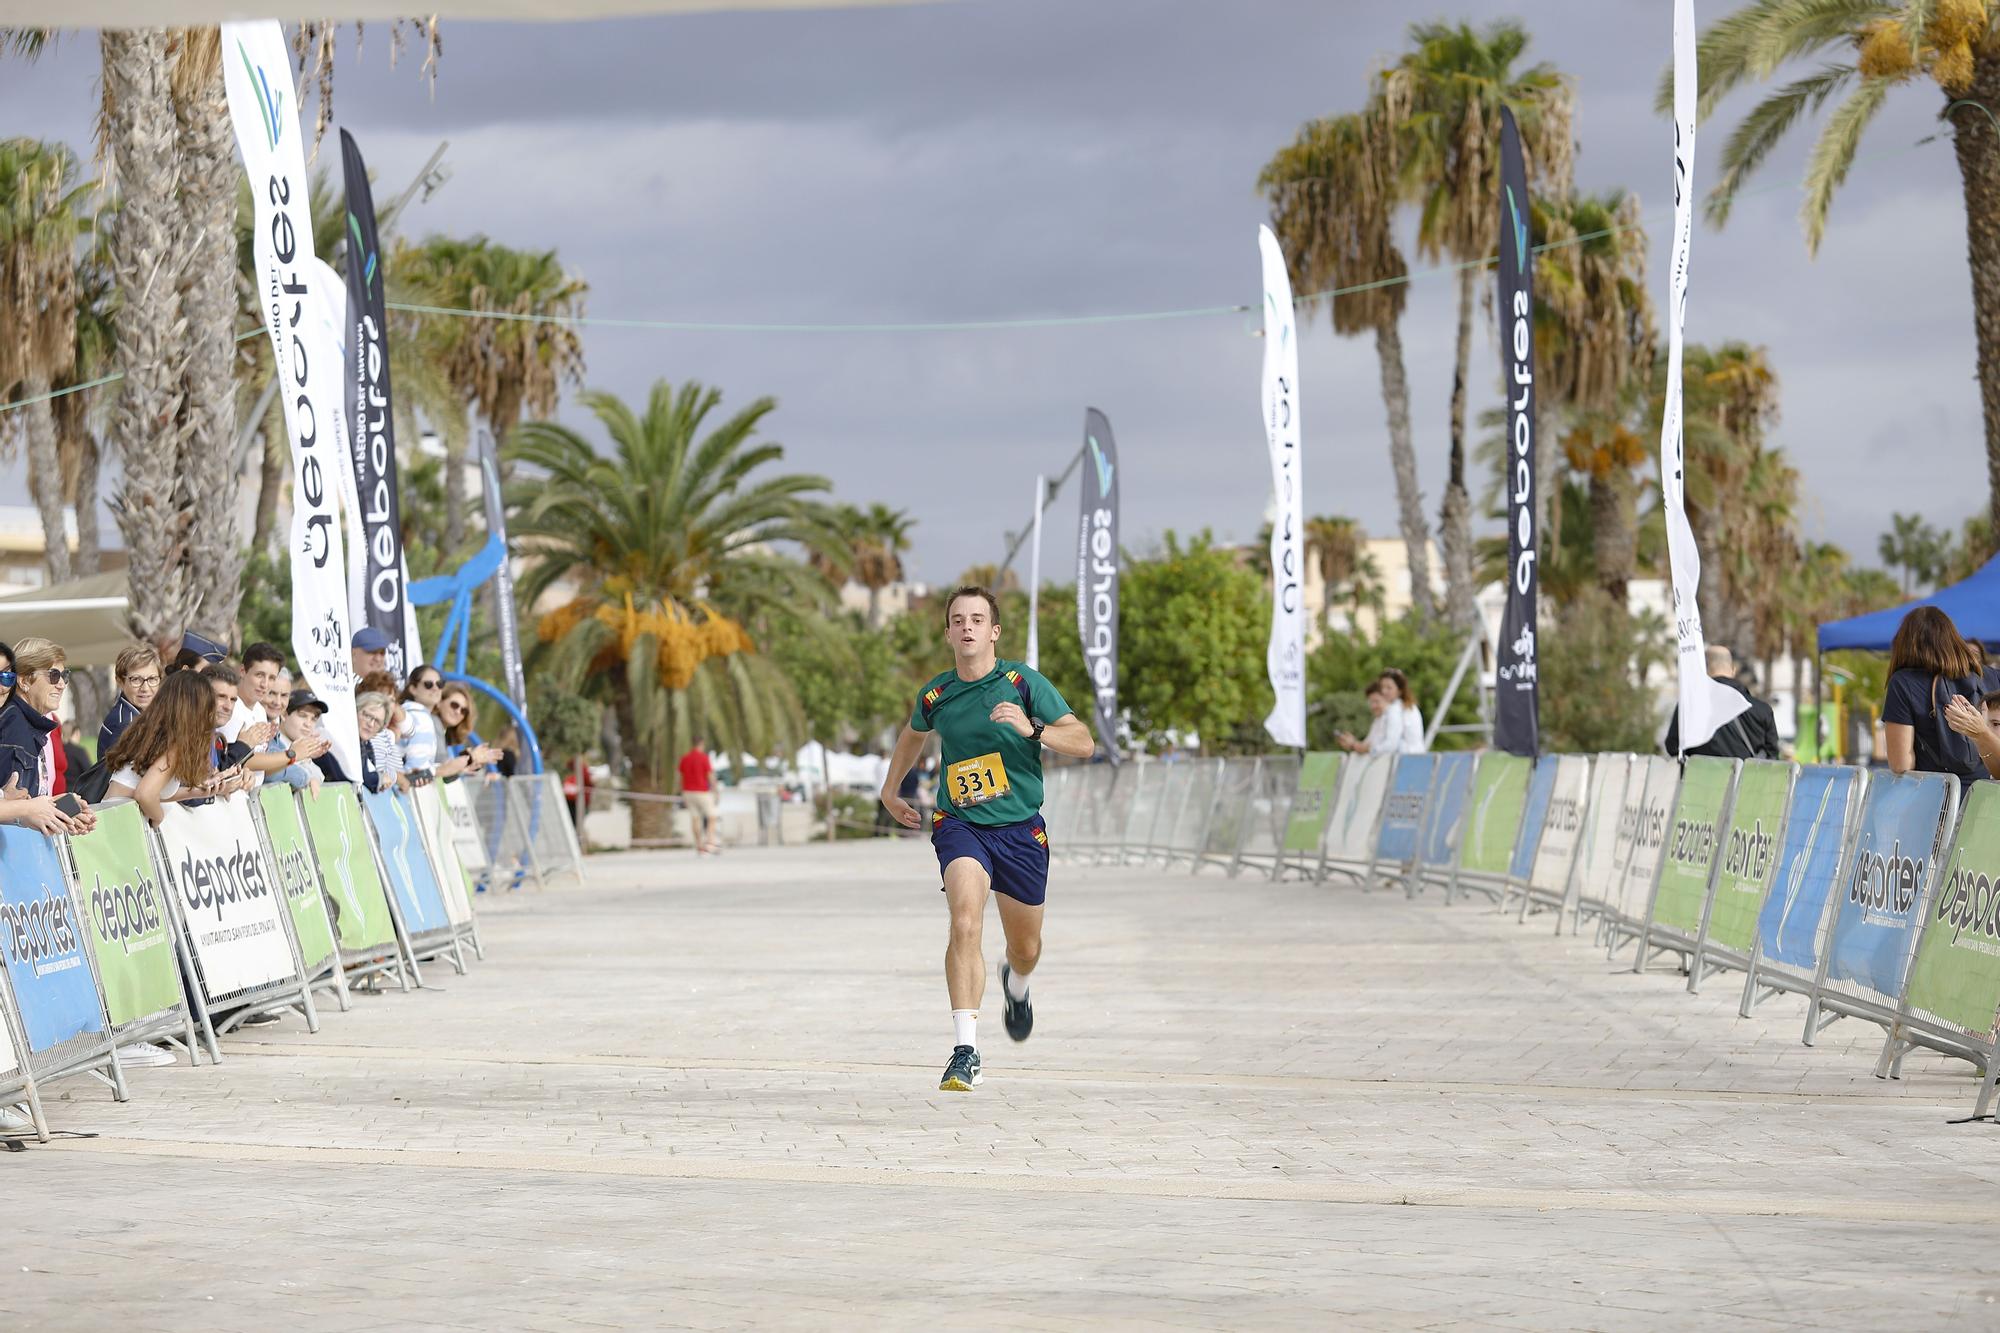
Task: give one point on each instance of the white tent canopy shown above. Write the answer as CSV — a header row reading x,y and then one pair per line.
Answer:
x,y
174,13
86,616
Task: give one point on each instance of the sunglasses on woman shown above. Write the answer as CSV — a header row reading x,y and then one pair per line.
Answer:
x,y
430,684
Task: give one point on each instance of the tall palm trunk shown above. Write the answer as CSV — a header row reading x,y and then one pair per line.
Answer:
x,y
1403,460
270,482
1614,519
208,300
1977,144
45,481
83,497
454,495
145,430
1455,515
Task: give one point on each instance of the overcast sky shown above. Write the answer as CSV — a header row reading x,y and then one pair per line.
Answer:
x,y
985,160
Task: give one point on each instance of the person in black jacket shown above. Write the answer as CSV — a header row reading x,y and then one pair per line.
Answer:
x,y
1748,735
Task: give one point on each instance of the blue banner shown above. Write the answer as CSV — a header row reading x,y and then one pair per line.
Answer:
x,y
43,940
1444,815
1788,925
1879,896
1403,813
1541,788
411,878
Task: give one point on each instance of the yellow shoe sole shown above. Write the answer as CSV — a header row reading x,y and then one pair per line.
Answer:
x,y
954,1085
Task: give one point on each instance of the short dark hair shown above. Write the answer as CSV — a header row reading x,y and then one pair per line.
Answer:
x,y
973,590
223,672
1374,687
262,652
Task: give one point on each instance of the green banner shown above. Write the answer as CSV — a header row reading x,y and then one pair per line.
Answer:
x,y
347,862
1493,821
1749,854
125,911
1689,852
1318,774
297,872
1957,973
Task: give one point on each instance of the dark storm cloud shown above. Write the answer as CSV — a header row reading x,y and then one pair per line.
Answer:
x,y
990,161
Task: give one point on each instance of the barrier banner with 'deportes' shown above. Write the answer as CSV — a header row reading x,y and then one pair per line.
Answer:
x,y
1956,978
1562,824
1404,812
126,914
228,895
297,872
1499,793
1319,775
359,903
1444,815
1350,835
1689,852
1808,867
1643,825
1749,852
1880,894
411,878
43,943
1534,810
464,824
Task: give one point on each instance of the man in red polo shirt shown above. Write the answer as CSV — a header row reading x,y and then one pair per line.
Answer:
x,y
697,788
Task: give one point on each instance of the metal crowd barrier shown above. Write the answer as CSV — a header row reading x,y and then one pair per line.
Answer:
x,y
1875,900
256,903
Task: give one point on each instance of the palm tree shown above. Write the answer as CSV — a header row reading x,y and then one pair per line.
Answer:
x,y
1336,545
1443,103
503,366
1594,334
991,577
1879,45
666,544
1731,396
41,217
153,506
879,536
1333,196
1608,452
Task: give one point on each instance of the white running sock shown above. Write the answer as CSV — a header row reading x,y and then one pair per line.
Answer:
x,y
965,1027
1017,985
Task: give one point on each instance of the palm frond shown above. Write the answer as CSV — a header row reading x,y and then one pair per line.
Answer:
x,y
1768,122
1833,155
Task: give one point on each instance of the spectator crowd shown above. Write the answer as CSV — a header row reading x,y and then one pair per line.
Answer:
x,y
204,725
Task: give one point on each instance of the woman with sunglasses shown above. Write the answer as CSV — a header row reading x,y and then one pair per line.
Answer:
x,y
455,711
424,747
28,717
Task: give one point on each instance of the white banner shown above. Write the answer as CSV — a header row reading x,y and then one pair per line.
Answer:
x,y
1364,785
1562,826
228,894
464,823
1705,704
1286,657
292,292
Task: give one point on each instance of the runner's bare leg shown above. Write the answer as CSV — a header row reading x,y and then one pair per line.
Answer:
x,y
1023,927
966,885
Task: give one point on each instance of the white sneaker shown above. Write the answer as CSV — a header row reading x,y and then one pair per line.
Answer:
x,y
147,1055
14,1122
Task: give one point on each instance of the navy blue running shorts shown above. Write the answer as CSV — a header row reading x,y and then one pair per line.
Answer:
x,y
1014,856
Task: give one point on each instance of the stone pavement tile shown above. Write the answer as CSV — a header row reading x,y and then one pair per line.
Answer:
x,y
702,1095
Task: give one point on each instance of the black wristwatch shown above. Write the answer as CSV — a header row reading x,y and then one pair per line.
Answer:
x,y
291,754
1035,736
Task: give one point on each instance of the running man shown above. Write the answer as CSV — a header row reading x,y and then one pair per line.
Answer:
x,y
992,718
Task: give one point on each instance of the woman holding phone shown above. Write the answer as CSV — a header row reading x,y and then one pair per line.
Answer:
x,y
167,754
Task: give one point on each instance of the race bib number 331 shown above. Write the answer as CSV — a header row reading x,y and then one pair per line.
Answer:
x,y
976,781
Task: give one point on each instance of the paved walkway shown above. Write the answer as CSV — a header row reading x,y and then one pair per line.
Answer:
x,y
702,1094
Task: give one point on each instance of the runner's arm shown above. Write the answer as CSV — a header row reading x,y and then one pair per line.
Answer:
x,y
1070,735
909,747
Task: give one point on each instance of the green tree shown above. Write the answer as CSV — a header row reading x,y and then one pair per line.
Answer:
x,y
668,544
1192,627
42,215
504,366
1333,194
1877,45
1917,548
1342,667
879,535
1593,665
1443,102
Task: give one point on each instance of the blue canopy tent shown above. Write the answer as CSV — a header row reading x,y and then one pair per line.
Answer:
x,y
1974,606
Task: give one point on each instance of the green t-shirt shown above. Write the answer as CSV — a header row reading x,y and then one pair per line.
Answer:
x,y
961,713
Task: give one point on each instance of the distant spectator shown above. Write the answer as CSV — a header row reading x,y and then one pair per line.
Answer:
x,y
387,739
1377,696
207,650
369,651
167,754
697,779
371,712
456,710
299,739
1403,722
1930,664
187,659
1752,734
27,718
264,669
138,673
